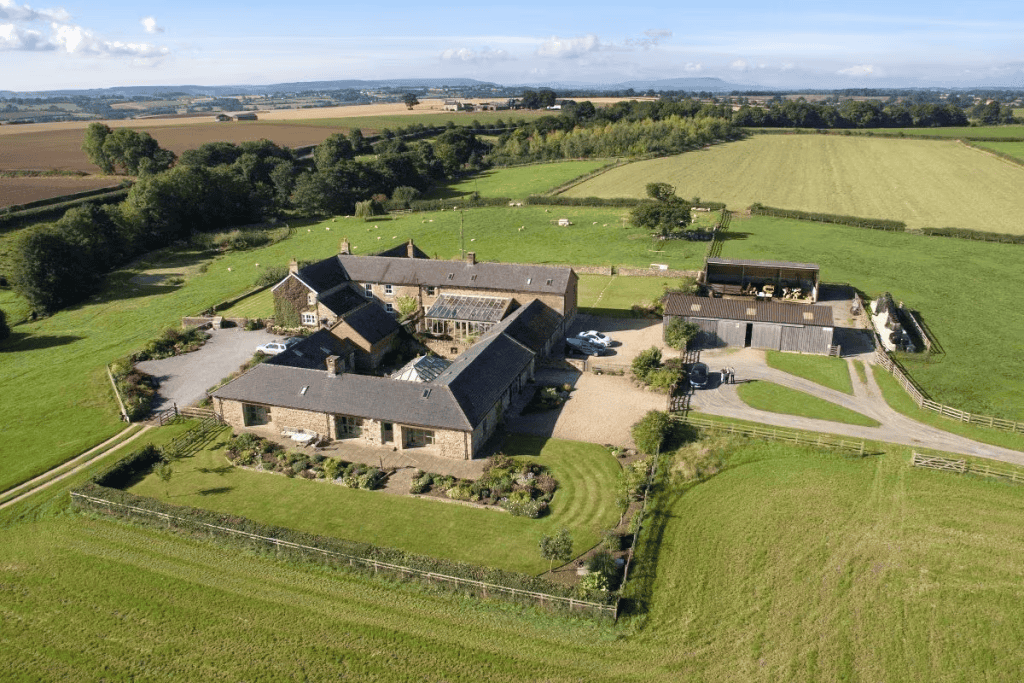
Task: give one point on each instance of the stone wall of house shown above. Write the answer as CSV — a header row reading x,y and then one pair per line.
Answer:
x,y
230,411
305,420
293,292
555,301
452,444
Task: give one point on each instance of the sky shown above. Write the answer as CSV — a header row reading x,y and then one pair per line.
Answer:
x,y
821,45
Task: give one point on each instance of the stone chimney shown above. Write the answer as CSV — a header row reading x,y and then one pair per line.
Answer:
x,y
293,266
410,251
471,258
334,368
345,249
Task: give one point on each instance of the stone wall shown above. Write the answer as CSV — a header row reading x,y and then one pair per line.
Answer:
x,y
293,292
651,272
304,420
452,444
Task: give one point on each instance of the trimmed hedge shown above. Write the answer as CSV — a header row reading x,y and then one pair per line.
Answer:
x,y
460,202
367,551
55,211
967,234
558,200
855,221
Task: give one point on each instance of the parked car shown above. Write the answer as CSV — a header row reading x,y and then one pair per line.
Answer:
x,y
583,346
275,347
595,337
699,376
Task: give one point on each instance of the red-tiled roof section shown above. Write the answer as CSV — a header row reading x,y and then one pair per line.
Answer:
x,y
751,310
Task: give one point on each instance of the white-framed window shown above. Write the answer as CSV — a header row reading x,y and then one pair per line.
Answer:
x,y
309,318
418,437
390,307
431,291
389,289
368,290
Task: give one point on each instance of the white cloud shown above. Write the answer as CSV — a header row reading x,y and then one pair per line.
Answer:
x,y
859,70
692,68
16,38
78,40
568,48
15,12
466,54
657,33
149,23
738,65
652,36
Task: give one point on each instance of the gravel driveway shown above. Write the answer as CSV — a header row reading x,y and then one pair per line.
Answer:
x,y
185,379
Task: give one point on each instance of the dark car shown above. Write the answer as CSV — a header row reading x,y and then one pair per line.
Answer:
x,y
699,376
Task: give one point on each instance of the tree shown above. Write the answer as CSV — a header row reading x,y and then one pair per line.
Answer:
x,y
50,272
332,151
165,470
406,306
557,547
5,329
410,100
95,135
678,333
665,217
645,362
131,149
650,432
663,192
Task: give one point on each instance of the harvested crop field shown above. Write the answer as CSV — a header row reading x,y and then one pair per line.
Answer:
x,y
61,148
921,182
23,190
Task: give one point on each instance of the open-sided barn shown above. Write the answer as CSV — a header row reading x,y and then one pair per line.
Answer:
x,y
754,323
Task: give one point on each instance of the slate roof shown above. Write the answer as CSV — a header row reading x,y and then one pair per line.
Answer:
x,y
402,251
311,353
531,325
342,301
378,398
371,322
322,275
481,374
506,277
751,310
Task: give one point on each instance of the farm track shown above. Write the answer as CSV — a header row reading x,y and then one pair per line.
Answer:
x,y
867,399
65,470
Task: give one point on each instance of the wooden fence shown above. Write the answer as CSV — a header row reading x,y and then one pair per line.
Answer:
x,y
639,524
963,467
885,360
104,505
188,442
772,434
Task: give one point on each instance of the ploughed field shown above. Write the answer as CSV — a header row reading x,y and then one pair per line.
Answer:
x,y
925,183
14,191
61,148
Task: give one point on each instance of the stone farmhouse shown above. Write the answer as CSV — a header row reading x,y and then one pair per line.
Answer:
x,y
509,315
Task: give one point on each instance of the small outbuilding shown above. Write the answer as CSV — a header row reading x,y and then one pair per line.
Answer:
x,y
757,323
762,279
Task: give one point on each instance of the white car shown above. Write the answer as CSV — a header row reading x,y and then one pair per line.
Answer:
x,y
596,338
583,346
275,347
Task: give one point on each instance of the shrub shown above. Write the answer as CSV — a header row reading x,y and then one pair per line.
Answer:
x,y
520,504
678,334
299,465
461,491
594,581
331,467
421,484
662,379
271,276
645,362
634,478
5,329
650,432
602,562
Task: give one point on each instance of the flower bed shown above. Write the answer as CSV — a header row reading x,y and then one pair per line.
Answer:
x,y
172,342
523,489
255,452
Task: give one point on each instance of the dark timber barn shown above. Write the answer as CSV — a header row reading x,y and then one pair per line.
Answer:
x,y
763,279
755,323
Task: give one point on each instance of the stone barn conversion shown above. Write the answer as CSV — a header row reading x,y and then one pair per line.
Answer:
x,y
756,323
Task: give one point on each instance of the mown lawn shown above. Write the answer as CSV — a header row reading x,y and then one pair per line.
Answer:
x,y
921,182
520,182
776,398
831,372
588,477
614,296
791,564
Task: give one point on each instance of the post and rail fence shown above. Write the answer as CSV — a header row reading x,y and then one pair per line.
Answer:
x,y
772,434
573,604
935,462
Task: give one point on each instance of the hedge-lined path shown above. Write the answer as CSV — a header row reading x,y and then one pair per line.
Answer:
x,y
749,364
76,464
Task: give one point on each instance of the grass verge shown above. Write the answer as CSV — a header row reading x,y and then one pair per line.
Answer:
x,y
775,398
827,371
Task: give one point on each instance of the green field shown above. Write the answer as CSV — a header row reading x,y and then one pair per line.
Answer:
x,y
614,295
519,182
1014,149
588,479
831,372
921,182
791,564
775,398
954,132
958,286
